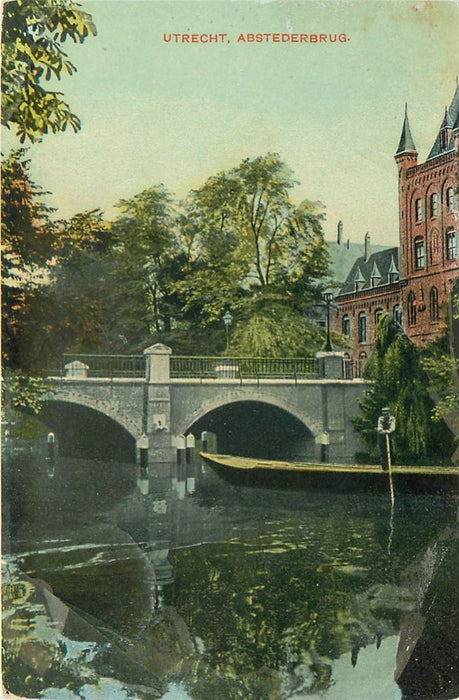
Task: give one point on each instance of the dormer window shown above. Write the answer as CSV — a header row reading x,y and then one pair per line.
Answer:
x,y
393,273
419,254
359,281
375,277
434,204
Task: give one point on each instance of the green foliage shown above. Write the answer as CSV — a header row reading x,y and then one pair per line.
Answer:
x,y
248,248
145,260
442,369
275,331
21,391
33,32
27,244
400,382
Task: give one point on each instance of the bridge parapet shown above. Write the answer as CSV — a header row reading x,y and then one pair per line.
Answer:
x,y
158,365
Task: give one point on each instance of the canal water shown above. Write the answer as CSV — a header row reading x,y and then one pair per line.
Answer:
x,y
179,585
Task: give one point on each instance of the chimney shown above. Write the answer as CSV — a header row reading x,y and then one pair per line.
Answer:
x,y
348,244
339,238
366,254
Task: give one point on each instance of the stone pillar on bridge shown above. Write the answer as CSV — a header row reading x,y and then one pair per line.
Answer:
x,y
331,364
157,404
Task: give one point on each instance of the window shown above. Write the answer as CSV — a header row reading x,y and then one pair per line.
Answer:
x,y
419,253
434,304
346,326
418,210
434,243
378,314
398,314
450,199
411,309
434,204
363,357
362,328
451,245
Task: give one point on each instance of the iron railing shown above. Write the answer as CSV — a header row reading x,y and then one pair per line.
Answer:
x,y
132,366
242,367
181,367
353,369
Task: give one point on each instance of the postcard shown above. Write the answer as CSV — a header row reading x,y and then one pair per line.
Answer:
x,y
230,349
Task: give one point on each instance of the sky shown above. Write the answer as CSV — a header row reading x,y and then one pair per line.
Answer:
x,y
156,111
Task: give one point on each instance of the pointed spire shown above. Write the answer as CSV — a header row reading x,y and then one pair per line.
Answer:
x,y
393,267
447,121
359,280
406,140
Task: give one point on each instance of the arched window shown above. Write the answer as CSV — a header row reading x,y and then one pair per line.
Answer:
x,y
419,253
411,309
346,326
451,245
450,199
418,210
434,304
363,357
434,204
434,243
378,314
362,327
398,314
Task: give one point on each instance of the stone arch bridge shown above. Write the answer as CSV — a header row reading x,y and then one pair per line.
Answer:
x,y
162,397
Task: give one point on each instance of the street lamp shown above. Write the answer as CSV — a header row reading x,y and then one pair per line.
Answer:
x,y
328,298
227,320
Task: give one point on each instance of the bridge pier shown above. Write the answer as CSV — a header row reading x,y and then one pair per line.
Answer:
x,y
157,404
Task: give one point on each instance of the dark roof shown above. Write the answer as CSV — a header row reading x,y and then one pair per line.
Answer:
x,y
451,120
406,140
383,261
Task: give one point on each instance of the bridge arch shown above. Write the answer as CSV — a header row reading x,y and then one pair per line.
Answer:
x,y
226,399
106,408
86,429
256,424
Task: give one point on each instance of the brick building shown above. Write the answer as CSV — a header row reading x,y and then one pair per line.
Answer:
x,y
412,282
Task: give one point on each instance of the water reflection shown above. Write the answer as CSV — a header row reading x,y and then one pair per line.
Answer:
x,y
172,576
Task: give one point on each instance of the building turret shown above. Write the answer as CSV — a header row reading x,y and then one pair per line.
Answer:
x,y
446,138
406,153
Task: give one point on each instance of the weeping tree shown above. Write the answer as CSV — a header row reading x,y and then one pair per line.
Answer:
x,y
250,249
399,381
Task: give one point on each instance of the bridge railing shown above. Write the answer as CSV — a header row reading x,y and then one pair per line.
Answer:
x,y
242,367
181,367
107,365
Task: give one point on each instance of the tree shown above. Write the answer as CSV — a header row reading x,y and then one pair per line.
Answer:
x,y
26,247
144,255
399,381
71,312
251,249
33,32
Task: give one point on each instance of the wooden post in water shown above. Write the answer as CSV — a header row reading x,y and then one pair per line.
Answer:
x,y
389,464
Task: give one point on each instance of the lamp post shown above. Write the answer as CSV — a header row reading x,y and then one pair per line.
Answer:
x,y
227,320
328,298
